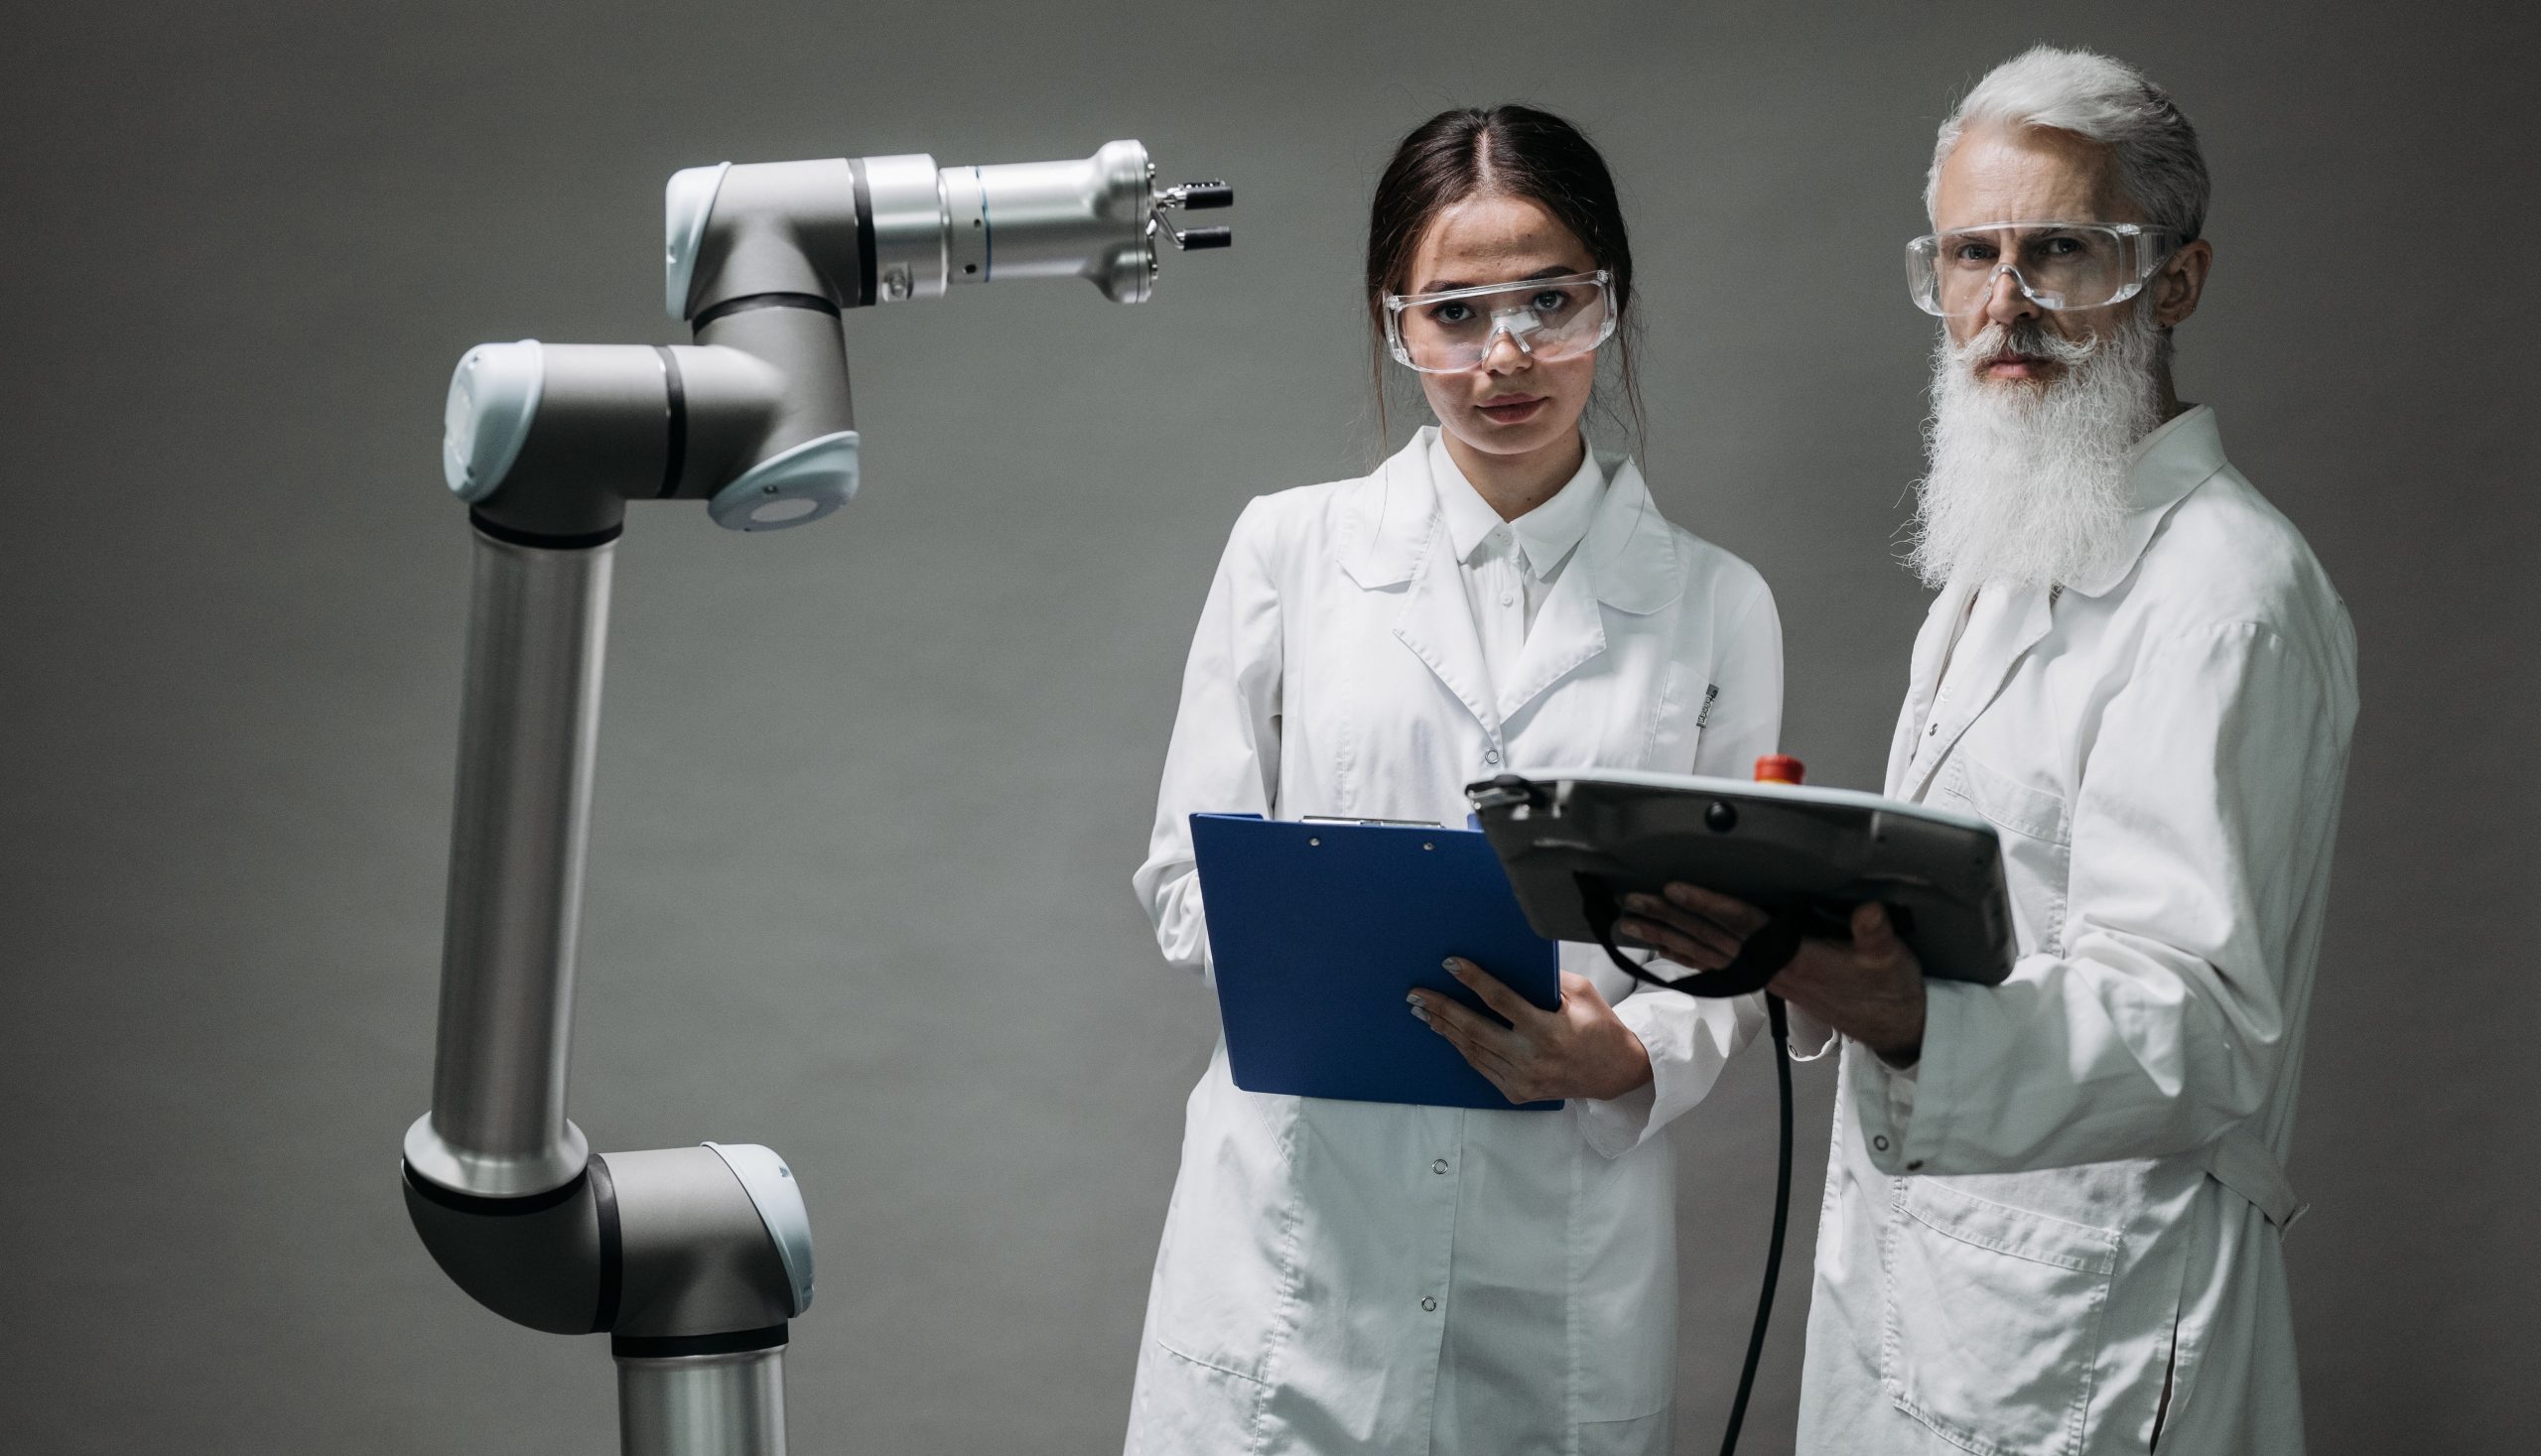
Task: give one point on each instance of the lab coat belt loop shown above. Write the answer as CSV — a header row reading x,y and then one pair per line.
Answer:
x,y
2241,1162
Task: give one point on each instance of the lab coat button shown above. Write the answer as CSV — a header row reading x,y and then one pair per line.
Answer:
x,y
1491,756
1880,1143
1429,1305
1439,1167
1936,727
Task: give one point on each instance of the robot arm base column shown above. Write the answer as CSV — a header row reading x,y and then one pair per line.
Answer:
x,y
729,1403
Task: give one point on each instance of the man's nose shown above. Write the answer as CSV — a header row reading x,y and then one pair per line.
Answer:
x,y
2005,303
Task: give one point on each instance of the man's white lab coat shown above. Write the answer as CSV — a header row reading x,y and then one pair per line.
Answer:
x,y
1340,1276
2027,1233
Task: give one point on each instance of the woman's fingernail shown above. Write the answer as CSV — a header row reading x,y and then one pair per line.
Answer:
x,y
1640,901
1412,997
1416,1010
1452,964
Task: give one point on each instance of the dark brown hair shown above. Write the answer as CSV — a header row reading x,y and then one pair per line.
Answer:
x,y
1501,151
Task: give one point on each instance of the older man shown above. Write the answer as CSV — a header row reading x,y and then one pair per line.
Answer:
x,y
2054,1206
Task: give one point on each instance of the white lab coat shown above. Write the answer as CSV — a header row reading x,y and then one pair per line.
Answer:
x,y
1341,1276
2161,749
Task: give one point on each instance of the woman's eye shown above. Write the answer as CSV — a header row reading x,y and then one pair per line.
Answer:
x,y
1457,313
1552,301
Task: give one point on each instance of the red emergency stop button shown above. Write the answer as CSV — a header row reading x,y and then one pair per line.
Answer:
x,y
1780,768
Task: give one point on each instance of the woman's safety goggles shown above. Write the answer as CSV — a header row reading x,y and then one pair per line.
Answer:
x,y
2055,265
1544,318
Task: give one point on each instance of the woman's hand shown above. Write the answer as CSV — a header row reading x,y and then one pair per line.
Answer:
x,y
1581,1048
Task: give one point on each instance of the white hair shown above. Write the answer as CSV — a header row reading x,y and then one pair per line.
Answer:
x,y
2099,99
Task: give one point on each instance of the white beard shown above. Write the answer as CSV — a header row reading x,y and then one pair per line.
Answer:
x,y
2028,486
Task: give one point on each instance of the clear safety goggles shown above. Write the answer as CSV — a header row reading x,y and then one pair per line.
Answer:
x,y
2055,265
1546,319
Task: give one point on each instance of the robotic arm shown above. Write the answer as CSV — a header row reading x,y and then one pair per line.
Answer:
x,y
692,1260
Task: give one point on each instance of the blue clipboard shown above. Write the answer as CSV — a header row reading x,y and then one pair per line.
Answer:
x,y
1319,929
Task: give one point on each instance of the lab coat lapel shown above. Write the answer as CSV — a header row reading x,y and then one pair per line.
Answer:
x,y
2166,465
1391,535
1994,644
1627,561
1942,626
1436,623
1389,518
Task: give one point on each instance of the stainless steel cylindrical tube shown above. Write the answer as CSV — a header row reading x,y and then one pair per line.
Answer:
x,y
1086,218
1064,219
537,627
907,203
703,1405
891,229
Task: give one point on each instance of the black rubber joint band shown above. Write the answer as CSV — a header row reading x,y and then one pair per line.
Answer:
x,y
748,301
675,443
866,279
487,526
671,1347
612,1245
484,1207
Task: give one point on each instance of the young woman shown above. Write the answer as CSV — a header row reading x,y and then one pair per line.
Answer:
x,y
1344,1277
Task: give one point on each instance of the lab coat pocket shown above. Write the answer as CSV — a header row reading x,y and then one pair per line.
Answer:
x,y
2006,801
1226,1274
1645,1435
1183,1406
2037,845
1992,1325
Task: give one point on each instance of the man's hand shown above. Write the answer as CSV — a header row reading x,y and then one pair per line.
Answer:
x,y
1871,989
1581,1048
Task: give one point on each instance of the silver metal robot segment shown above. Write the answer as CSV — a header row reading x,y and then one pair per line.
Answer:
x,y
692,1260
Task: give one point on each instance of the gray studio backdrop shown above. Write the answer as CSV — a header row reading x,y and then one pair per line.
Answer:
x,y
870,794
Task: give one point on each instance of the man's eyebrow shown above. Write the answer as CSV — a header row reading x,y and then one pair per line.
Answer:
x,y
1450,285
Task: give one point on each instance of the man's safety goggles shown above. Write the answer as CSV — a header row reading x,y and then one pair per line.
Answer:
x,y
2055,265
1546,319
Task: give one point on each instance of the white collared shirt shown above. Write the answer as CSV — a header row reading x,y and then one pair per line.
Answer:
x,y
1509,568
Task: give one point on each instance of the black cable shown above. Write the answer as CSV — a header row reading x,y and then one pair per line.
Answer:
x,y
1781,1025
1758,958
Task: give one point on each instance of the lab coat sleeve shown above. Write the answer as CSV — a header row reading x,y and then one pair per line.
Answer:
x,y
1810,1038
1224,754
1691,1039
2210,793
